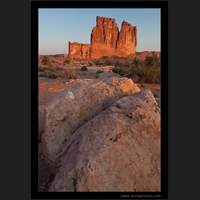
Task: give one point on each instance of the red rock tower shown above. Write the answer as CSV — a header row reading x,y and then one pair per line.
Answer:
x,y
106,40
105,32
127,41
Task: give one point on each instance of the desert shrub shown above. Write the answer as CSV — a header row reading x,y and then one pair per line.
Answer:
x,y
107,61
91,63
45,60
119,70
152,61
99,71
66,61
147,71
56,72
48,74
98,62
51,75
70,74
113,61
122,64
84,68
136,62
141,71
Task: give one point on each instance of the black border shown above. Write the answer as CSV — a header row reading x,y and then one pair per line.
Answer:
x,y
163,5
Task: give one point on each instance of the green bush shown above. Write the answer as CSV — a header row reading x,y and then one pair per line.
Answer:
x,y
84,68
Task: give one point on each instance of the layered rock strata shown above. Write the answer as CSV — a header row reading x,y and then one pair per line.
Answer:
x,y
106,40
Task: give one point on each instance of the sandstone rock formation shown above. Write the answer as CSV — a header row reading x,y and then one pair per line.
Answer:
x,y
127,39
78,50
71,108
45,175
117,150
47,91
105,32
106,40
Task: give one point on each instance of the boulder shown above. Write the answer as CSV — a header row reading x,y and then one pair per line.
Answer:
x,y
45,174
118,150
78,103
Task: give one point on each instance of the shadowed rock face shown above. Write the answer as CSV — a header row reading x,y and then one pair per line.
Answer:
x,y
117,150
73,107
106,40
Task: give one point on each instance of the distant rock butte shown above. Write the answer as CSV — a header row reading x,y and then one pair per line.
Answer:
x,y
106,40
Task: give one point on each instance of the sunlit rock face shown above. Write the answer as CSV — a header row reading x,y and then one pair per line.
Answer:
x,y
105,32
106,40
79,50
127,39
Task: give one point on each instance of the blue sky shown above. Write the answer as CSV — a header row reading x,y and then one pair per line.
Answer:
x,y
59,26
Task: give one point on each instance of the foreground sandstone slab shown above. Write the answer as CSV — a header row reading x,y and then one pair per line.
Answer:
x,y
117,150
75,105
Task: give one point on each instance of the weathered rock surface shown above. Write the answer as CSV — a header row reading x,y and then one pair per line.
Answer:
x,y
45,175
117,150
105,32
127,39
78,103
47,90
79,50
106,40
